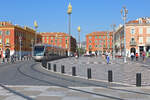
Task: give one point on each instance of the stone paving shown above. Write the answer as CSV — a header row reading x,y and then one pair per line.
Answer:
x,y
73,93
123,73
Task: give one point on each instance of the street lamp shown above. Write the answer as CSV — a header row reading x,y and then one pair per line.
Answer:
x,y
113,26
3,44
36,26
20,39
69,11
79,29
32,46
107,42
124,13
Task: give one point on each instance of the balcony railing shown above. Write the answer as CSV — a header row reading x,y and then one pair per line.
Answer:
x,y
132,43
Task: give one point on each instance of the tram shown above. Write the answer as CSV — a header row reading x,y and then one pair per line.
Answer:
x,y
48,52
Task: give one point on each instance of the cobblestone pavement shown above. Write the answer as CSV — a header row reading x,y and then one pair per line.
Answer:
x,y
124,73
73,93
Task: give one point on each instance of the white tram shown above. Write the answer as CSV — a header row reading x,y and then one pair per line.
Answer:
x,y
48,52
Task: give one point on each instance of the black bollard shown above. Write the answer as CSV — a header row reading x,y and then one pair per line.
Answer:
x,y
138,79
54,67
49,66
62,69
110,76
73,71
44,63
89,76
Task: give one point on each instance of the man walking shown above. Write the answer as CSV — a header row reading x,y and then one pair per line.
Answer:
x,y
132,56
143,55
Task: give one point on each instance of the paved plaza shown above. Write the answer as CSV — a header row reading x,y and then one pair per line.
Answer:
x,y
73,93
122,73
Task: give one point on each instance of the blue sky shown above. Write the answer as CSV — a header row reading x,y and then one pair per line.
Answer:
x,y
91,15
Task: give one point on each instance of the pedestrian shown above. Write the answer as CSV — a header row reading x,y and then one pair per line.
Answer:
x,y
143,55
12,59
108,59
136,56
132,56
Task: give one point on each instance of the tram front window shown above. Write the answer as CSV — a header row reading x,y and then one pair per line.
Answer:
x,y
38,51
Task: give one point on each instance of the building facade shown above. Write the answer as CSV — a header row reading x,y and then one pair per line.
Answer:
x,y
59,39
99,42
14,39
137,37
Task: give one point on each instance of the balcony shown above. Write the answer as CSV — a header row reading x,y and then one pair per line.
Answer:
x,y
132,43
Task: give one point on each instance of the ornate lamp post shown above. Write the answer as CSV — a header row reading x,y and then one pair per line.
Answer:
x,y
113,26
32,40
124,13
36,26
69,11
79,29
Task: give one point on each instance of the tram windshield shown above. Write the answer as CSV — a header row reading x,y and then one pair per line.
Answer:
x,y
38,50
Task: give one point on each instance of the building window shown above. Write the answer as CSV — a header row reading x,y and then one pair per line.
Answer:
x,y
95,41
51,37
66,37
148,39
140,30
104,45
132,31
47,38
140,39
51,41
148,30
55,41
95,37
100,37
108,36
132,40
60,41
100,41
0,41
96,46
0,32
7,32
66,41
103,37
100,46
7,41
90,46
90,41
66,46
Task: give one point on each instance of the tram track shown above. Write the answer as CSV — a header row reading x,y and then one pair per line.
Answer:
x,y
64,79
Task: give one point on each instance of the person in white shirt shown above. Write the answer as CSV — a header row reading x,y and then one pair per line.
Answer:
x,y
132,56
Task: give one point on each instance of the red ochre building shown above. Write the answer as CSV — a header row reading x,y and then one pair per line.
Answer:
x,y
137,37
10,39
99,42
59,39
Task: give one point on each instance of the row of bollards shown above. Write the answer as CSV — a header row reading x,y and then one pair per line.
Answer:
x,y
89,73
44,64
138,78
8,60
